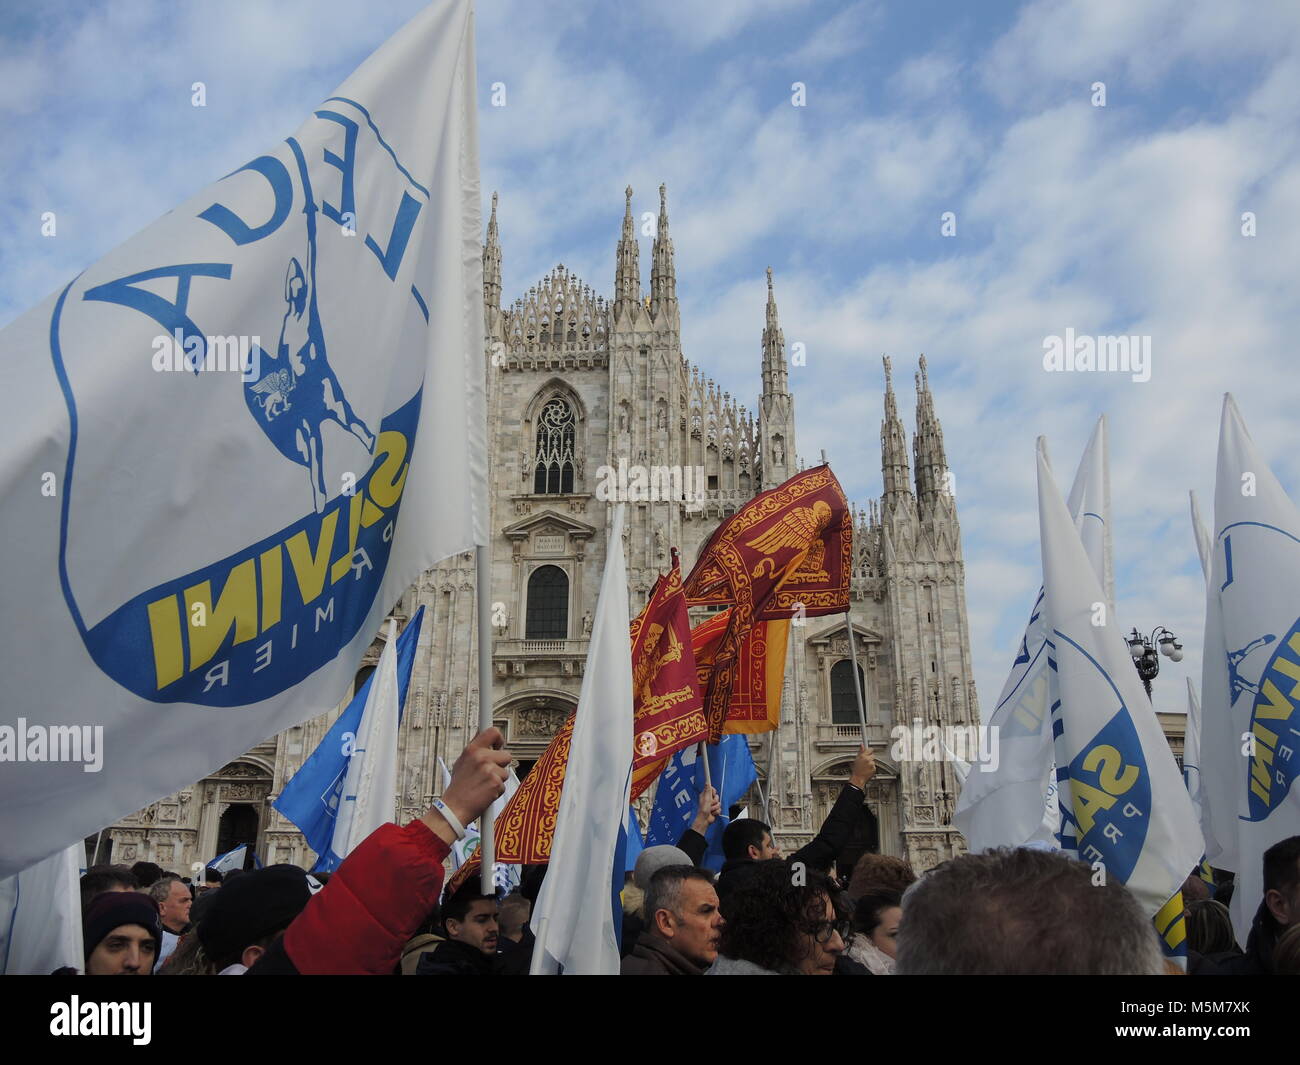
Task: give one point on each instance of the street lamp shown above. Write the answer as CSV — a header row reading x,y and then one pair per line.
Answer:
x,y
1145,658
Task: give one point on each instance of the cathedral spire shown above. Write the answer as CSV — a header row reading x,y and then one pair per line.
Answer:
x,y
776,407
492,272
932,481
776,378
627,272
663,274
893,447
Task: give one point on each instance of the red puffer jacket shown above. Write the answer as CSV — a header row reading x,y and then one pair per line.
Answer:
x,y
360,921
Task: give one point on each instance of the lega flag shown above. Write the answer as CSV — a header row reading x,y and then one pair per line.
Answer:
x,y
574,916
1123,803
1013,803
232,859
1250,685
229,446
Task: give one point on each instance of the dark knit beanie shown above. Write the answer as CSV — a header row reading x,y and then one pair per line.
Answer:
x,y
250,907
116,908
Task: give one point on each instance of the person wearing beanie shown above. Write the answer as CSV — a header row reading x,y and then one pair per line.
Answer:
x,y
648,862
682,925
249,912
122,934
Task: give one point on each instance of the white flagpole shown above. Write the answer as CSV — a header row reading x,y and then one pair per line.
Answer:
x,y
857,681
487,848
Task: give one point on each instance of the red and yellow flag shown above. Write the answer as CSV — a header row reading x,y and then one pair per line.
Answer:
x,y
668,715
760,671
787,551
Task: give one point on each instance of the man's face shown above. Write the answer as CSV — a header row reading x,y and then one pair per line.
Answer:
x,y
1284,905
128,950
765,850
695,930
820,951
176,906
885,935
479,929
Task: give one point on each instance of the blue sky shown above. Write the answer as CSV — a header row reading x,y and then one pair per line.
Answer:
x,y
1115,219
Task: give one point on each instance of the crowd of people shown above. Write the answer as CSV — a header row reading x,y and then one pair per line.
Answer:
x,y
1022,910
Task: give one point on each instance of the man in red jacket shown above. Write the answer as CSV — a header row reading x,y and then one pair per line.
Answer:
x,y
386,888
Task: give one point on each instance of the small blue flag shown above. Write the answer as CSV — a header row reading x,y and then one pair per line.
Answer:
x,y
310,799
677,797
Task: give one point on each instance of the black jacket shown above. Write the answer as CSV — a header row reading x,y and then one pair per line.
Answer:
x,y
821,853
515,959
453,958
653,956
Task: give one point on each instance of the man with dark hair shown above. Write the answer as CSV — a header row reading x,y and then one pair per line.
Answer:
x,y
121,934
1278,911
173,899
682,925
747,842
469,919
146,873
1023,911
98,879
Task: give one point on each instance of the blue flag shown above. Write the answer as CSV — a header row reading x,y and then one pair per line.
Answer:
x,y
311,797
677,797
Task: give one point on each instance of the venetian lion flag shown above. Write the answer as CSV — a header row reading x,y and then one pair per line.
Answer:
x,y
1250,687
229,446
787,552
1124,809
667,716
755,704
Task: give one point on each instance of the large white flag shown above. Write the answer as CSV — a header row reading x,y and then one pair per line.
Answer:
x,y
1123,802
1012,802
1250,680
574,916
369,794
205,553
40,915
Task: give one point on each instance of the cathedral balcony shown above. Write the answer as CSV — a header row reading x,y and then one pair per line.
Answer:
x,y
539,657
832,738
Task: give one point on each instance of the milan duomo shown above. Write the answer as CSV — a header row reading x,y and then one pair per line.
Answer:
x,y
582,388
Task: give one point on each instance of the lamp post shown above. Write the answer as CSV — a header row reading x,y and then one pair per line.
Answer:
x,y
1145,658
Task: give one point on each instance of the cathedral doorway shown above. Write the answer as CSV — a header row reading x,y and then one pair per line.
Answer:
x,y
237,826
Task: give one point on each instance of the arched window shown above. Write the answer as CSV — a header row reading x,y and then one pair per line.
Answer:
x,y
844,700
548,604
554,460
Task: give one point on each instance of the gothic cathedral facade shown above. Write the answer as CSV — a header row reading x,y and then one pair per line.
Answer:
x,y
579,386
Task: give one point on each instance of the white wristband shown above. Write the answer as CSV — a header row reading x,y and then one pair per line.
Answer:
x,y
450,817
